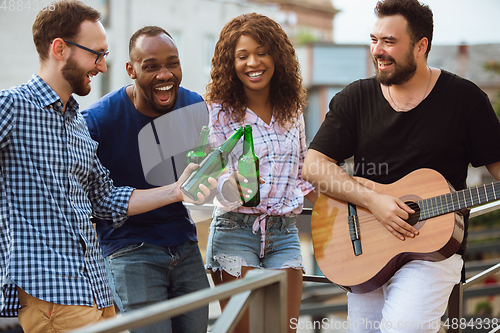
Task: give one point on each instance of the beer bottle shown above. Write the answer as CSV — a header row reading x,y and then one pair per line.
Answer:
x,y
211,166
198,153
248,167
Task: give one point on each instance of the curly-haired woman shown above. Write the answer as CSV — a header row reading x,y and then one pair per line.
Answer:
x,y
255,80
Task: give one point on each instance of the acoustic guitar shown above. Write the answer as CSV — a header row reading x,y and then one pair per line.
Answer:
x,y
355,251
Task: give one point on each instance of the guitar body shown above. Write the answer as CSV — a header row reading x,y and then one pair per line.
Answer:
x,y
382,253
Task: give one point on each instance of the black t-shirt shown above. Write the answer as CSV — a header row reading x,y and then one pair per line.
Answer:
x,y
453,127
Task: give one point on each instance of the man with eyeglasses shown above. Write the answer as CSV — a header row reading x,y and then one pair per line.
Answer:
x,y
99,55
51,182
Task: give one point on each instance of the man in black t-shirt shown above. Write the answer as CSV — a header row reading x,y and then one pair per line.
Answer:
x,y
408,117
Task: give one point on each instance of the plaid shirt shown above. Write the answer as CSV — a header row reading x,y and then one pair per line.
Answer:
x,y
51,182
281,156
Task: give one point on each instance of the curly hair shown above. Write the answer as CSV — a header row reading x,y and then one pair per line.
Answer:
x,y
419,17
225,88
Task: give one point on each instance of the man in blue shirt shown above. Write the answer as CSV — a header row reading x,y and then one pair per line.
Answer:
x,y
51,182
144,131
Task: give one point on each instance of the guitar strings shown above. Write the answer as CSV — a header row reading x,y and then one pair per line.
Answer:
x,y
431,207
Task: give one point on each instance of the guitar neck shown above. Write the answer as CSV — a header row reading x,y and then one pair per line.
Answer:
x,y
451,202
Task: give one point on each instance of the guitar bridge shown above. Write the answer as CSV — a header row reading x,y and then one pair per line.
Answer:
x,y
353,221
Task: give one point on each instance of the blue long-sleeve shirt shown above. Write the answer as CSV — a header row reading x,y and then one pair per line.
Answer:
x,y
51,182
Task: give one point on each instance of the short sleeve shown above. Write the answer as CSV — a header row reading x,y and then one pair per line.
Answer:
x,y
336,137
482,133
91,124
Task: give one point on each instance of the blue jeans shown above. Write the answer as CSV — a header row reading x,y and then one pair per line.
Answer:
x,y
144,274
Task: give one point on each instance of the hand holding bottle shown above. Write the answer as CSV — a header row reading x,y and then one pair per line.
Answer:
x,y
205,192
211,167
232,191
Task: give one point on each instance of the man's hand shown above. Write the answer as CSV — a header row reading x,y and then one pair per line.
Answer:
x,y
392,213
206,192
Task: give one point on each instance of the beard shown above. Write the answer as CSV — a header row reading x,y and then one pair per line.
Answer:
x,y
159,110
76,77
402,72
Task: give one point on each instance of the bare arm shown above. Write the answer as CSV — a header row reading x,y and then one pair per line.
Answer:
x,y
494,169
328,178
312,196
142,201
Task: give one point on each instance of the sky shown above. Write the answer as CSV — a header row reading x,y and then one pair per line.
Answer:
x,y
455,21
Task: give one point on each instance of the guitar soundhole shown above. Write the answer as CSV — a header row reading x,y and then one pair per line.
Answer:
x,y
413,218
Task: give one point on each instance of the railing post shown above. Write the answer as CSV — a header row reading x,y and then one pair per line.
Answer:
x,y
455,307
268,310
271,284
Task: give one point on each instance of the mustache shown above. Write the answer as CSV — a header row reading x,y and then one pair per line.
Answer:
x,y
384,58
172,80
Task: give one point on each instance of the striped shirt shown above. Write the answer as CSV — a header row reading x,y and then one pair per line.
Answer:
x,y
281,156
51,182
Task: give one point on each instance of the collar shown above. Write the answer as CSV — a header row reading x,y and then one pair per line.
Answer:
x,y
47,97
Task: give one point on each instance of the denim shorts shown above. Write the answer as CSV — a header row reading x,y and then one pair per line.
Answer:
x,y
232,244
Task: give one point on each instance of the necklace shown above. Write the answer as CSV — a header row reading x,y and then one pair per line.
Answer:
x,y
423,97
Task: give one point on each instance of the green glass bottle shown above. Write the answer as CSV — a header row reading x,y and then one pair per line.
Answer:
x,y
198,153
211,166
248,167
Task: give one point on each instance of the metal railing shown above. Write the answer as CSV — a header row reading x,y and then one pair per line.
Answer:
x,y
261,291
264,293
456,301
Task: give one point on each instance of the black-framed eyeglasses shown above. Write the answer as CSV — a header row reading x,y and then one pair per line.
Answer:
x,y
99,55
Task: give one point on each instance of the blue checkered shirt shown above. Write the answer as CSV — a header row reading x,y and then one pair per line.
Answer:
x,y
51,182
